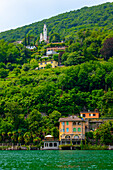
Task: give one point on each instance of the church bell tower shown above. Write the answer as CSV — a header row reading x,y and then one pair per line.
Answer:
x,y
45,33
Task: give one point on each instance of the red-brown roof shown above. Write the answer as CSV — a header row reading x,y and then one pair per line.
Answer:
x,y
70,119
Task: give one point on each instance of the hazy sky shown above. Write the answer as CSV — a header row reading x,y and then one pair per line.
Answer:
x,y
15,13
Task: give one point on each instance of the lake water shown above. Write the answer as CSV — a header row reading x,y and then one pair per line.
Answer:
x,y
47,160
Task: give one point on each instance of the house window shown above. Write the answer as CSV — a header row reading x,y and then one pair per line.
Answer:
x,y
63,123
45,63
84,115
79,123
89,114
60,130
79,129
50,144
74,129
74,123
67,129
55,144
51,61
67,123
93,114
63,130
40,63
76,137
67,137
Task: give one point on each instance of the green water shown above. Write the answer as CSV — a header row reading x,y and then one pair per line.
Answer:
x,y
48,160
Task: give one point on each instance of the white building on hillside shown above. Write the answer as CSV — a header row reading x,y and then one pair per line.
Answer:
x,y
43,36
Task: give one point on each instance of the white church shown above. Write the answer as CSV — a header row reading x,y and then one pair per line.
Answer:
x,y
43,36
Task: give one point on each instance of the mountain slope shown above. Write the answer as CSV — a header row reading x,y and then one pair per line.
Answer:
x,y
69,23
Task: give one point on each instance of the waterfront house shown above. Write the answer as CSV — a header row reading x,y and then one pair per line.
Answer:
x,y
71,130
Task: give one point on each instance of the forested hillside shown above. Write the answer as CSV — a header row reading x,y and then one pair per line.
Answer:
x,y
66,89
68,24
56,92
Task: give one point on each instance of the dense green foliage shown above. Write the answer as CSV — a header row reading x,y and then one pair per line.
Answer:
x,y
67,90
67,24
10,53
102,135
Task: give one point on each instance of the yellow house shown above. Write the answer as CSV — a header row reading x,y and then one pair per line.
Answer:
x,y
43,64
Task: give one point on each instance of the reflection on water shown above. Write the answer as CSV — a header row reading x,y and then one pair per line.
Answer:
x,y
56,160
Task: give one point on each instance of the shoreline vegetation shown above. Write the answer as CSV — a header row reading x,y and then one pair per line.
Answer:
x,y
61,147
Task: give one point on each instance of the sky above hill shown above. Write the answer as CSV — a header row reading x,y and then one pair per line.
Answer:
x,y
16,13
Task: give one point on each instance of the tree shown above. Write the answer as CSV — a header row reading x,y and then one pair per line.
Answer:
x,y
36,140
3,51
9,136
107,50
24,55
55,132
34,63
3,73
28,39
14,137
2,65
25,41
12,53
34,120
27,137
107,104
13,110
26,67
20,139
11,66
55,57
16,71
55,37
54,117
73,59
3,136
104,133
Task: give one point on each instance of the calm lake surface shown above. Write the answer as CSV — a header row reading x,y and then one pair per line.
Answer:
x,y
48,160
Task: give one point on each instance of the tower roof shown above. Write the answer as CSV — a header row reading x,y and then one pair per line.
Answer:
x,y
44,25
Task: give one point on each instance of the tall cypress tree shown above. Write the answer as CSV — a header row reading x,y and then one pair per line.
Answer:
x,y
28,40
25,41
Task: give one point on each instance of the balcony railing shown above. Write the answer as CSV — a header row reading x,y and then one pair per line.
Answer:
x,y
51,140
